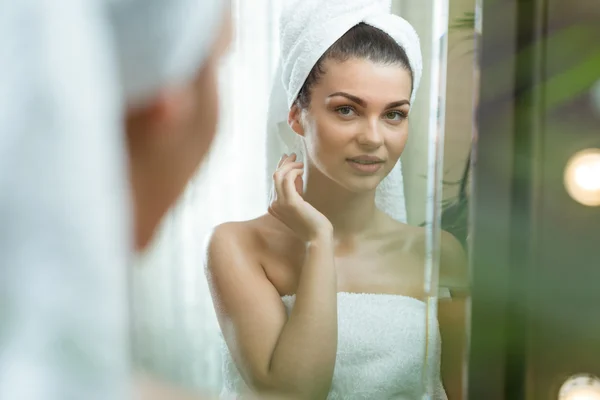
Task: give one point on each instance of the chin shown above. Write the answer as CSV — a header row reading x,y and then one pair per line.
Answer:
x,y
360,184
352,182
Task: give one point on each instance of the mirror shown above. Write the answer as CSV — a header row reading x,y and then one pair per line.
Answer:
x,y
449,175
393,284
447,218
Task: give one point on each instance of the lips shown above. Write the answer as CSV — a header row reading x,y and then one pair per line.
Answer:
x,y
365,166
366,160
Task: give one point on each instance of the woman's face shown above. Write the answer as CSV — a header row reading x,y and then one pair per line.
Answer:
x,y
356,126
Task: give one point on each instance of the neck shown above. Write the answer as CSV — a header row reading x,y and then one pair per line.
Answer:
x,y
350,213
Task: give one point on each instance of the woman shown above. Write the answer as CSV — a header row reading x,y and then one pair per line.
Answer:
x,y
321,297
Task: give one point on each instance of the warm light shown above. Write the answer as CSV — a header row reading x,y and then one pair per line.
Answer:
x,y
580,387
582,177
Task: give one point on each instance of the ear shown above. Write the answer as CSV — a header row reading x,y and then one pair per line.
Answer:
x,y
295,120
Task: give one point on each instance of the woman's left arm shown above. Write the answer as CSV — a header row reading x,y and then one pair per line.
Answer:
x,y
454,277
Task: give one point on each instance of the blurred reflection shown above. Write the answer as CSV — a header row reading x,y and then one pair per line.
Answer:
x,y
317,306
324,279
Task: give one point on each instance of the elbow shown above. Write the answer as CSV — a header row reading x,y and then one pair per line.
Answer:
x,y
263,384
269,388
280,395
275,382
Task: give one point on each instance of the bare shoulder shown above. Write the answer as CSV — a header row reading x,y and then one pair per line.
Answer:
x,y
234,269
405,236
227,236
248,306
454,272
453,260
243,238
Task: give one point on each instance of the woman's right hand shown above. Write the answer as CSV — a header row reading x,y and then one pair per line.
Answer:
x,y
288,206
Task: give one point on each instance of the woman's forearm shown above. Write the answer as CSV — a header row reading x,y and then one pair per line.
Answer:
x,y
304,358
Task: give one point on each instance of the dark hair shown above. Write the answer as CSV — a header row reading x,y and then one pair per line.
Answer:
x,y
362,41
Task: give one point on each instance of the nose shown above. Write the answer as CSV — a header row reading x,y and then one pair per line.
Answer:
x,y
371,136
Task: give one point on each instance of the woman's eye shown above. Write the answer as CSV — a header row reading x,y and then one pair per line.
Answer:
x,y
395,115
345,111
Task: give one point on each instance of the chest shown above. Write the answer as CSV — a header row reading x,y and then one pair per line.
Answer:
x,y
395,272
371,267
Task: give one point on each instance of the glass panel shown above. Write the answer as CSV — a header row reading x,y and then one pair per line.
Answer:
x,y
448,177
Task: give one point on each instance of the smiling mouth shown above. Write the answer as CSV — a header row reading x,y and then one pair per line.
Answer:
x,y
368,167
364,161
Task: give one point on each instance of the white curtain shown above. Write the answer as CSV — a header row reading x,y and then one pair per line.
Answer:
x,y
175,333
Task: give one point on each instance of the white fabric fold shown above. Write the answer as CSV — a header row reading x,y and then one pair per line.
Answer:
x,y
307,29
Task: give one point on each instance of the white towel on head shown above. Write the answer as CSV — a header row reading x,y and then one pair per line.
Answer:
x,y
307,29
161,43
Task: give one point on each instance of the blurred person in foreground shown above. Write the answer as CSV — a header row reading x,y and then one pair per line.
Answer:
x,y
79,141
168,55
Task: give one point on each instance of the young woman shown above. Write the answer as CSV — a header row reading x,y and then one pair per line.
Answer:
x,y
322,296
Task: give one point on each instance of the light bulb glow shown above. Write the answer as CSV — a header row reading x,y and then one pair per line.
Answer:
x,y
582,177
580,387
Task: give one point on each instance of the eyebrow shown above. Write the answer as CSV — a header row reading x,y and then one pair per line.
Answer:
x,y
363,103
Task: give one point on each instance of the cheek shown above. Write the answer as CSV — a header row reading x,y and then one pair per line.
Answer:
x,y
326,139
397,141
206,110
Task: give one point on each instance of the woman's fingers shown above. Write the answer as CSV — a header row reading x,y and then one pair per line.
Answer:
x,y
300,185
279,176
281,161
289,184
273,191
285,158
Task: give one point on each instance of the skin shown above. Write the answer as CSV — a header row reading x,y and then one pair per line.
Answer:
x,y
323,234
168,139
